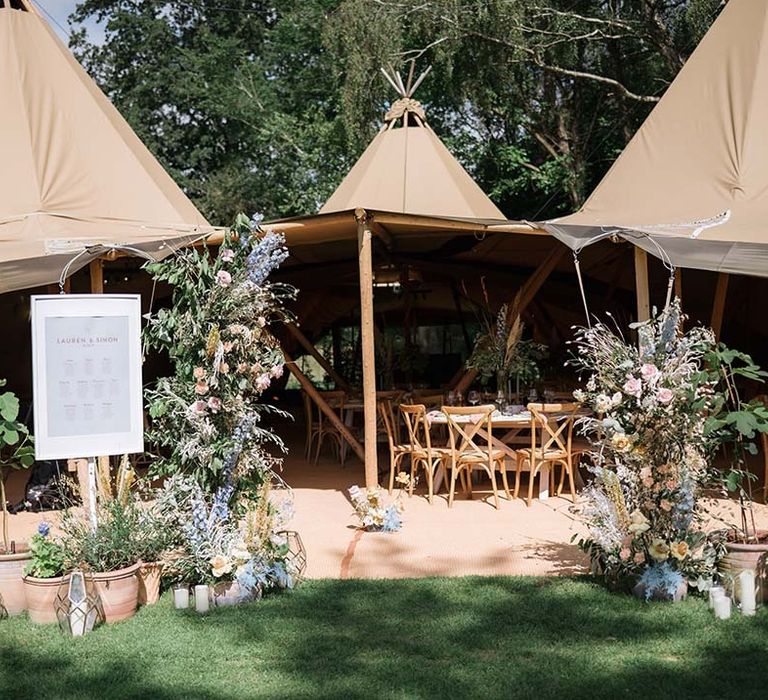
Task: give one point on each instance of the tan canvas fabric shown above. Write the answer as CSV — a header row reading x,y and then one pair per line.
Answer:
x,y
73,173
408,170
695,176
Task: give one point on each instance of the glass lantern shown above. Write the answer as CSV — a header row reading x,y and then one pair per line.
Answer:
x,y
3,611
296,559
78,605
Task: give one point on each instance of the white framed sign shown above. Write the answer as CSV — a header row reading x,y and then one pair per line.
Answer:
x,y
86,371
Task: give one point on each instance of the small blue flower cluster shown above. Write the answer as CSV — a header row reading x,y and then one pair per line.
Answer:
x,y
661,579
266,255
198,531
43,528
392,520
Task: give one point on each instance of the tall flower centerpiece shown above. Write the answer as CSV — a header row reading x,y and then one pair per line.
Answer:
x,y
207,416
652,450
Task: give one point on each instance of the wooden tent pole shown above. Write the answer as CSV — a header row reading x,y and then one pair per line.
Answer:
x,y
718,305
322,404
96,270
641,285
295,331
679,284
524,296
365,256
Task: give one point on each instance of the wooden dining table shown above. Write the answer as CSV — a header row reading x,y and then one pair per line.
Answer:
x,y
509,434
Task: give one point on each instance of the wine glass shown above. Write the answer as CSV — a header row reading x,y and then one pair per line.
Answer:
x,y
473,397
451,398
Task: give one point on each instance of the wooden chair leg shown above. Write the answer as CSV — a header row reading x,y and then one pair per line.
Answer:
x,y
493,486
570,479
453,486
518,469
429,483
504,481
531,479
392,467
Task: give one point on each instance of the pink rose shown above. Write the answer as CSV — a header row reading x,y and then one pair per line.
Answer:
x,y
648,482
201,387
276,371
665,505
198,373
224,368
624,554
671,484
214,403
197,407
639,558
242,368
633,387
223,278
649,372
262,382
664,395
227,255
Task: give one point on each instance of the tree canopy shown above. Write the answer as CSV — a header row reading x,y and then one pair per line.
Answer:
x,y
256,106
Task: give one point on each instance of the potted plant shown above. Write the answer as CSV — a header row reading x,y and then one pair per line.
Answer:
x,y
16,452
153,541
734,424
43,575
110,552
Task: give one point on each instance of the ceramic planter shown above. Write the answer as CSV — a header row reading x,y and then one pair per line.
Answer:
x,y
119,592
742,556
40,595
149,582
11,583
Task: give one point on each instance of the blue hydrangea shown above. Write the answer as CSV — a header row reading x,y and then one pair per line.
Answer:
x,y
661,579
43,528
392,520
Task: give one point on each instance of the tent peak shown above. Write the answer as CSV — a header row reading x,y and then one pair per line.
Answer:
x,y
406,105
22,5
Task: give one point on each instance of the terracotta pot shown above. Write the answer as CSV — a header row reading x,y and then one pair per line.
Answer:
x,y
119,592
11,583
747,556
149,582
227,593
41,595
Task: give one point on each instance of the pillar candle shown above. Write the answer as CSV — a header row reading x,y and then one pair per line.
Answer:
x,y
715,592
201,599
747,592
181,598
722,607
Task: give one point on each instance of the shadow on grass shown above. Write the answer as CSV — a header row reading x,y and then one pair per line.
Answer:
x,y
471,637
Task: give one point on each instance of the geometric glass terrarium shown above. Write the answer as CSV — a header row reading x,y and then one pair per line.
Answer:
x,y
296,559
78,605
3,611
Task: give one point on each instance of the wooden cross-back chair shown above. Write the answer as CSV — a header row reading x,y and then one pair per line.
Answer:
x,y
322,430
551,443
397,450
423,454
470,450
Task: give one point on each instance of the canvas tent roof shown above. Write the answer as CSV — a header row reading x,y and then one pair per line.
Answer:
x,y
74,174
694,178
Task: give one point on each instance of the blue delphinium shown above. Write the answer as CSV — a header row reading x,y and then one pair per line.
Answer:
x,y
266,255
222,497
43,528
661,579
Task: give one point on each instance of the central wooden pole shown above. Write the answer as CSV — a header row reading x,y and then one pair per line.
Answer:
x,y
365,257
641,285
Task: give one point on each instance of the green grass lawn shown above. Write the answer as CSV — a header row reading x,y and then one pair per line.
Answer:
x,y
441,638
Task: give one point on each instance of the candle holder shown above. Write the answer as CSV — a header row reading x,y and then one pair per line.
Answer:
x,y
746,588
78,605
180,597
296,559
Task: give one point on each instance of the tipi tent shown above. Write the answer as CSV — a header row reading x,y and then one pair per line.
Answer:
x,y
74,178
694,179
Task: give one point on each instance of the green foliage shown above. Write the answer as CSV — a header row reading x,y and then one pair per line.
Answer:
x,y
49,558
252,105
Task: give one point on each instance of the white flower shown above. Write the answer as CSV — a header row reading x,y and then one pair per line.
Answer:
x,y
638,523
227,255
616,399
602,403
579,395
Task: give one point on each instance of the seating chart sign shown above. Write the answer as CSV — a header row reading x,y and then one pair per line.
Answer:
x,y
87,375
